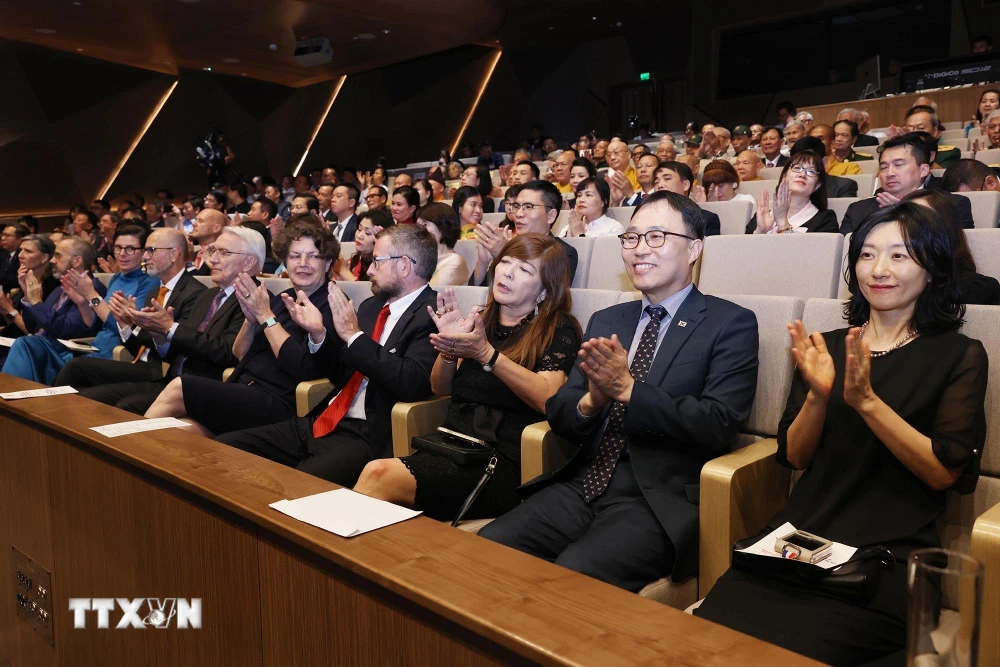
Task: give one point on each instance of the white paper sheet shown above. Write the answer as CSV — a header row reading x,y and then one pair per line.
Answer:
x,y
139,426
32,393
344,512
77,347
6,342
840,553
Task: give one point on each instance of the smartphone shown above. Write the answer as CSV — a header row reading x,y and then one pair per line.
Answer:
x,y
467,439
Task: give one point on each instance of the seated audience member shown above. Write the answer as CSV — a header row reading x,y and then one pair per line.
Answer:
x,y
560,173
330,175
343,209
665,150
756,131
305,203
401,180
693,163
991,132
215,199
904,166
273,192
40,356
35,259
882,418
30,222
836,186
807,121
692,145
442,223
264,211
105,236
154,213
236,197
403,205
721,183
208,225
522,172
771,141
455,170
621,190
535,211
423,188
794,131
499,366
84,223
273,352
609,512
479,178
356,268
10,263
582,169
134,386
989,101
833,166
271,265
509,198
845,135
468,205
691,129
487,158
600,158
925,119
436,181
799,201
725,144
973,287
676,177
589,216
856,117
618,157
865,127
638,151
324,194
748,166
982,44
741,139
970,176
376,358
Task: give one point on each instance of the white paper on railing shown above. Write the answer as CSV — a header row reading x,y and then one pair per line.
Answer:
x,y
839,554
139,426
77,347
32,393
6,342
344,512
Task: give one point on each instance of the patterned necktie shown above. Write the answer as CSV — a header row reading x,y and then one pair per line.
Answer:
x,y
178,363
599,474
160,296
329,418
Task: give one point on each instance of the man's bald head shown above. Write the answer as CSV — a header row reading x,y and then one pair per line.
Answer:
x,y
747,165
167,237
208,224
618,155
692,162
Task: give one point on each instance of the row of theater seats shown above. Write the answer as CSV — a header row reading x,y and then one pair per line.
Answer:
x,y
741,490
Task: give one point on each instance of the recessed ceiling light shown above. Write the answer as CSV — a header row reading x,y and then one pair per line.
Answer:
x,y
593,18
79,49
77,4
45,31
273,47
230,60
207,69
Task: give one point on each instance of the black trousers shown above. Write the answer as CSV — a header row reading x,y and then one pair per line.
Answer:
x,y
616,538
124,385
338,457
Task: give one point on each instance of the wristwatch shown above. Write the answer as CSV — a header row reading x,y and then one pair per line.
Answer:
x,y
95,302
269,322
488,366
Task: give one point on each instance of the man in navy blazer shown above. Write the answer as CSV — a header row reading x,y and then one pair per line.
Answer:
x,y
677,177
661,386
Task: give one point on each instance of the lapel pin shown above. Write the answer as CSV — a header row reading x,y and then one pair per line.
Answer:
x,y
682,323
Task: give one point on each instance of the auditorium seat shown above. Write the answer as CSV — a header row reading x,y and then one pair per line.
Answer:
x,y
347,249
989,156
842,291
607,270
206,281
839,205
954,125
105,278
869,166
749,495
754,188
733,215
584,259
770,173
800,265
985,247
950,136
985,208
495,218
469,250
866,184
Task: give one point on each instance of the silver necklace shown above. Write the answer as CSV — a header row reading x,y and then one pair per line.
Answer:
x,y
898,345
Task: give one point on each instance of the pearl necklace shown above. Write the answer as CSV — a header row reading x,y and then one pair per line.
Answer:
x,y
898,345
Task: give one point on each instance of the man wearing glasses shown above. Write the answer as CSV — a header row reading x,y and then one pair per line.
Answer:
x,y
535,211
40,358
133,386
661,386
376,198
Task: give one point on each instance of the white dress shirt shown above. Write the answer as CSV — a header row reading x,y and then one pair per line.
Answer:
x,y
125,332
602,226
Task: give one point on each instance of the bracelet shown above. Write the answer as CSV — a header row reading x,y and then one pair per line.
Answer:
x,y
448,358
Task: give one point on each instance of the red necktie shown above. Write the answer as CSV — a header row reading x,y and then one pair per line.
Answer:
x,y
329,418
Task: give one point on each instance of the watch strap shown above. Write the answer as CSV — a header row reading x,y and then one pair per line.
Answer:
x,y
488,366
270,322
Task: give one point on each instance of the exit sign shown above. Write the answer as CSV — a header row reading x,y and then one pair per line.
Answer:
x,y
643,76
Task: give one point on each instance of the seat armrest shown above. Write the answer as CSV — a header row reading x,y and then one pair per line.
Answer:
x,y
739,493
121,353
542,451
413,419
226,373
986,547
309,393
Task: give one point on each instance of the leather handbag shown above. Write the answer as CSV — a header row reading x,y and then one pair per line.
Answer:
x,y
854,581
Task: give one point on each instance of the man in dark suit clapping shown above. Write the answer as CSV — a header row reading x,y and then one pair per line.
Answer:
x,y
661,386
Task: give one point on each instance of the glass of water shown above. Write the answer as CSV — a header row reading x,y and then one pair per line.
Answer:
x,y
945,598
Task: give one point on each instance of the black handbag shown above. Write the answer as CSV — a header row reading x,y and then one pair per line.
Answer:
x,y
854,581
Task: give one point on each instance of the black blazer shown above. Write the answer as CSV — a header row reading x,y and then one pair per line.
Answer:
x,y
398,371
859,210
695,399
823,221
866,140
210,352
350,229
182,299
713,226
294,363
9,264
838,186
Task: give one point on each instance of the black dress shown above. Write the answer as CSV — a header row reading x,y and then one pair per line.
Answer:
x,y
858,493
824,221
442,485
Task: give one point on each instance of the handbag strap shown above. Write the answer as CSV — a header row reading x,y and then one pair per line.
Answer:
x,y
490,467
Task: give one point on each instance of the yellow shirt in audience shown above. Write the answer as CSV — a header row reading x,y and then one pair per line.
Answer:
x,y
835,167
633,179
564,189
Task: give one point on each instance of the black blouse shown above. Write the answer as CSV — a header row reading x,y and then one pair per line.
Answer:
x,y
856,491
823,221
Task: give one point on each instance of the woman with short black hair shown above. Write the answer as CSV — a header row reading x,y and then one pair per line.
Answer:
x,y
442,223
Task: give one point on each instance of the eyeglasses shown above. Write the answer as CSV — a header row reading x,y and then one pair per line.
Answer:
x,y
378,260
528,208
151,249
127,250
212,250
654,238
297,256
799,169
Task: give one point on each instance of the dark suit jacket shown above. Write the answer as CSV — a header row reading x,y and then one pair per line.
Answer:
x,y
859,210
182,300
398,371
210,352
64,321
713,226
865,140
782,160
9,264
294,363
696,397
350,229
838,186
823,221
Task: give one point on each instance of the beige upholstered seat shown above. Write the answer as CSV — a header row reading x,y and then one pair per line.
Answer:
x,y
985,247
839,206
985,208
733,215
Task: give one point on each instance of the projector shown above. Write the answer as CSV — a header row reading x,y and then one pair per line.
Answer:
x,y
312,52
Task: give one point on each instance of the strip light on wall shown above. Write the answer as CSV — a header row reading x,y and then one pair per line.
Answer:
x,y
475,102
319,125
135,142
